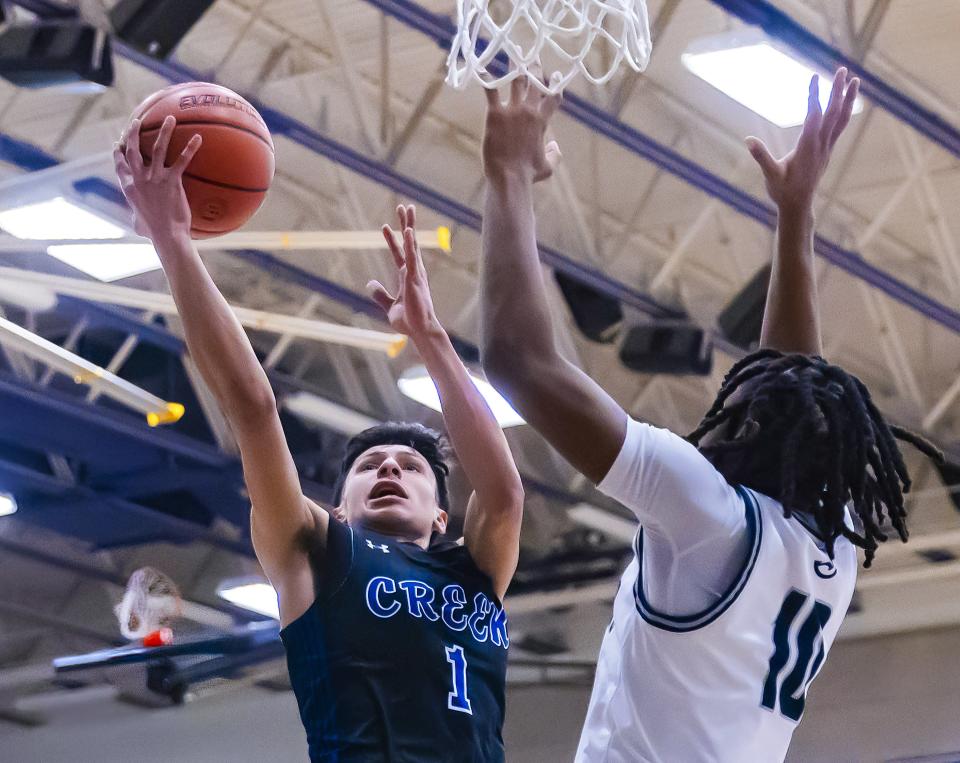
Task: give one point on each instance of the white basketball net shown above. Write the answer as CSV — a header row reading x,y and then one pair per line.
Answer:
x,y
151,601
557,35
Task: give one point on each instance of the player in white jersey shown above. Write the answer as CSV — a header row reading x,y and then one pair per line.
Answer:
x,y
746,559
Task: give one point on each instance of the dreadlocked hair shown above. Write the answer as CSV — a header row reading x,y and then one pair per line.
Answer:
x,y
809,435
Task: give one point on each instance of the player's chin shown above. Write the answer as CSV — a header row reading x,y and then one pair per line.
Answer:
x,y
390,517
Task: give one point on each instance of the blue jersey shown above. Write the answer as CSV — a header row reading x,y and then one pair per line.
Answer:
x,y
403,655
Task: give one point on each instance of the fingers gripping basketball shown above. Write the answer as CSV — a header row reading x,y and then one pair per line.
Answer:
x,y
228,178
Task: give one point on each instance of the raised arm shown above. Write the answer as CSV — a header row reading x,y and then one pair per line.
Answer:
x,y
282,517
492,528
791,319
520,355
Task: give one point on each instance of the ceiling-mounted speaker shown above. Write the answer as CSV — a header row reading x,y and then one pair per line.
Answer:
x,y
950,474
596,315
654,348
56,53
156,26
742,319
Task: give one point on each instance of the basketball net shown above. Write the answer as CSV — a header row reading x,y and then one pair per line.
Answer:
x,y
150,602
566,37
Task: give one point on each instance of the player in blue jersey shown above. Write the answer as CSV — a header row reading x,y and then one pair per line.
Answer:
x,y
746,560
396,639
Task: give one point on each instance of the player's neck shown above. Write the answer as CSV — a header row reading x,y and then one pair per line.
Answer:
x,y
403,535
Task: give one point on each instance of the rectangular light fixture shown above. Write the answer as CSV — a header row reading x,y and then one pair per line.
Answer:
x,y
322,411
417,385
107,262
60,220
8,505
257,597
759,75
55,219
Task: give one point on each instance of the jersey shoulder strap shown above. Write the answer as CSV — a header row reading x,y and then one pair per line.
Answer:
x,y
337,559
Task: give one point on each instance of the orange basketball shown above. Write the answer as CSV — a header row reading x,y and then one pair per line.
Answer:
x,y
228,179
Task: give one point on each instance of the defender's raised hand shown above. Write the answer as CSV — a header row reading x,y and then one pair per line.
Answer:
x,y
513,139
792,180
155,191
411,310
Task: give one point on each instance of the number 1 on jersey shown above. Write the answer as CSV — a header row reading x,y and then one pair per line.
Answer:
x,y
457,699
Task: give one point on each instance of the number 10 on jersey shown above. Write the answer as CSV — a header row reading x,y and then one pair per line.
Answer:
x,y
805,655
457,699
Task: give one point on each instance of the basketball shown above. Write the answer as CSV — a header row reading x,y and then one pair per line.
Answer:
x,y
228,179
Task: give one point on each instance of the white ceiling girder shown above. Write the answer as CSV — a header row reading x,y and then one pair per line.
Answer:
x,y
283,342
60,175
940,408
722,138
214,416
941,240
351,79
891,346
866,237
123,353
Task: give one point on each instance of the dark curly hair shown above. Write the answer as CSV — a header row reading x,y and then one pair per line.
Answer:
x,y
809,435
426,442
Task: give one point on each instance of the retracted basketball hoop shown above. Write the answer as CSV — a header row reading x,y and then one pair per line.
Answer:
x,y
565,37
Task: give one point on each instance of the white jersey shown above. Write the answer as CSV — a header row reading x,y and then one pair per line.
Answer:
x,y
729,682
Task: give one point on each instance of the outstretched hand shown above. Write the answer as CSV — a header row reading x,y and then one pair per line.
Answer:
x,y
155,191
513,139
411,310
792,180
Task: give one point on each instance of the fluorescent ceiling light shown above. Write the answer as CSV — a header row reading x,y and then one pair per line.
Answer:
x,y
257,597
107,262
417,385
319,410
758,75
8,505
56,219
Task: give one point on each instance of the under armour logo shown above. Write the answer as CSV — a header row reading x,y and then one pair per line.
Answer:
x,y
824,570
382,546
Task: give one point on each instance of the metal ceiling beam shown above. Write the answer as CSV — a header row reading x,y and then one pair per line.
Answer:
x,y
129,322
360,304
109,426
128,521
441,29
277,323
25,155
98,380
282,124
39,418
630,77
349,77
122,319
941,237
59,624
782,27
